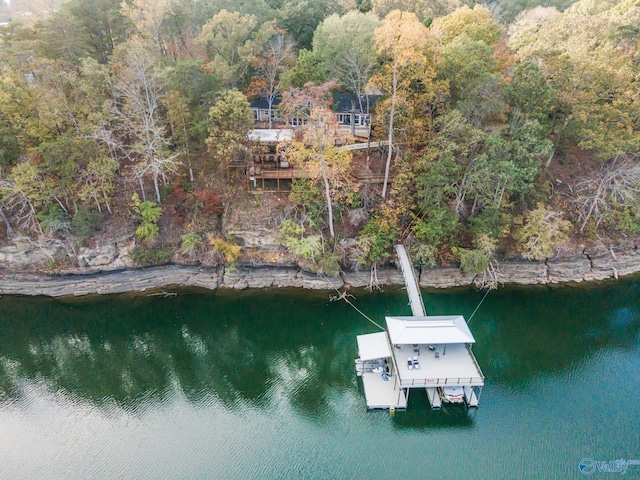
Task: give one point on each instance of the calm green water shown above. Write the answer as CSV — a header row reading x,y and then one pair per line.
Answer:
x,y
261,385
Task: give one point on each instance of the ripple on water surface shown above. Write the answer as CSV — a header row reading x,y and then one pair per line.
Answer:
x,y
262,386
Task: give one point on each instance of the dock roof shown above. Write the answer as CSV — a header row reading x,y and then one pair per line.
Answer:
x,y
429,330
373,345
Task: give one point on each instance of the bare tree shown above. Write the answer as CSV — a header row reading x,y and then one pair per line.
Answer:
x,y
354,69
137,93
22,211
617,183
275,59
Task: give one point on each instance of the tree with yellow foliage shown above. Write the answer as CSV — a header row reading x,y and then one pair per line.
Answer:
x,y
401,42
542,232
589,56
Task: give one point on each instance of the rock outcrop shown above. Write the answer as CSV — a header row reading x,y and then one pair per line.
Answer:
x,y
24,254
108,270
135,280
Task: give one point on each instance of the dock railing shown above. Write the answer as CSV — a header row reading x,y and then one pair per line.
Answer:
x,y
437,382
475,362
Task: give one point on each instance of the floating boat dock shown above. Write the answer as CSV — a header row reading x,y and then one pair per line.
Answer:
x,y
430,353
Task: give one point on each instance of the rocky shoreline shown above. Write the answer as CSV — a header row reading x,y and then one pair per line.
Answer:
x,y
107,270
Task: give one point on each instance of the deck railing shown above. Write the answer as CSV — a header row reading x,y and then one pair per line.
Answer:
x,y
473,357
437,382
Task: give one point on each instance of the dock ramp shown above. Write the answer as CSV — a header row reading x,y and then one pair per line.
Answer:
x,y
411,281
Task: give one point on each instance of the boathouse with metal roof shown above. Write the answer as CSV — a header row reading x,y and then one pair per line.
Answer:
x,y
432,353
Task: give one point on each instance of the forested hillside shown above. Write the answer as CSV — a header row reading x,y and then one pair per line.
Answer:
x,y
510,132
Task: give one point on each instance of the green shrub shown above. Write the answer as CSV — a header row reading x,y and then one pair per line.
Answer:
x,y
148,257
54,219
376,240
627,219
190,243
85,222
472,261
304,191
149,215
489,221
437,226
292,236
328,264
425,255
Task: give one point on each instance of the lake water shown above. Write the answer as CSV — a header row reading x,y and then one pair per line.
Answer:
x,y
261,385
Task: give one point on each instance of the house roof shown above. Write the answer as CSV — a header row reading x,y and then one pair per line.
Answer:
x,y
373,345
262,104
342,103
270,135
346,102
431,330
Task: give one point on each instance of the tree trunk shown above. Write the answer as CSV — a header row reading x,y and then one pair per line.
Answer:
x,y
186,140
329,206
95,198
6,222
550,158
144,196
391,115
106,200
157,187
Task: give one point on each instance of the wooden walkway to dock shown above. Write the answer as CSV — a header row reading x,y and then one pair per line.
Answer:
x,y
363,145
411,281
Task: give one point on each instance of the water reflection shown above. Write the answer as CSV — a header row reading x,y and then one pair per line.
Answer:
x,y
237,350
283,348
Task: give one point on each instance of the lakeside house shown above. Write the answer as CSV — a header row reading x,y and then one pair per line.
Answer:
x,y
352,114
265,166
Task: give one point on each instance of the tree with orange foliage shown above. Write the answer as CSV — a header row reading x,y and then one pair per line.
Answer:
x,y
300,102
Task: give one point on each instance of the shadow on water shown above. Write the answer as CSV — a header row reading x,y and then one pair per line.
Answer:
x,y
263,347
420,416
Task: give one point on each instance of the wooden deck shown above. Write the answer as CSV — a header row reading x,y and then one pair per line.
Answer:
x,y
383,394
264,172
453,365
274,179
